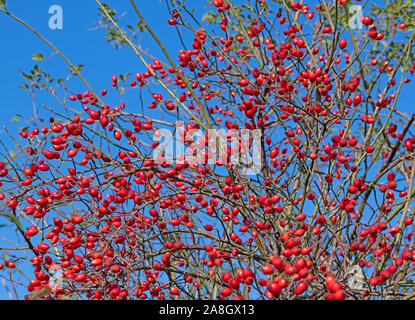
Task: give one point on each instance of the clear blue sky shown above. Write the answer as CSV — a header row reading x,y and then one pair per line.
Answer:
x,y
77,40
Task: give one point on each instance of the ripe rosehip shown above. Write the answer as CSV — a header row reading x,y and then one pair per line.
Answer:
x,y
369,149
300,288
342,43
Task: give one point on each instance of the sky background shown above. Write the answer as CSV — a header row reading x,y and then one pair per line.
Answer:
x,y
79,40
82,43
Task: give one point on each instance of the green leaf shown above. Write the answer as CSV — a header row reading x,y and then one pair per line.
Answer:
x,y
14,219
38,57
26,76
124,77
2,3
264,5
40,293
140,26
25,86
108,9
16,118
77,68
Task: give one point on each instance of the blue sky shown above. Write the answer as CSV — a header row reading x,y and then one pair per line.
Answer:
x,y
77,40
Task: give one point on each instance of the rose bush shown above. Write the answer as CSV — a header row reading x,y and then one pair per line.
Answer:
x,y
325,213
